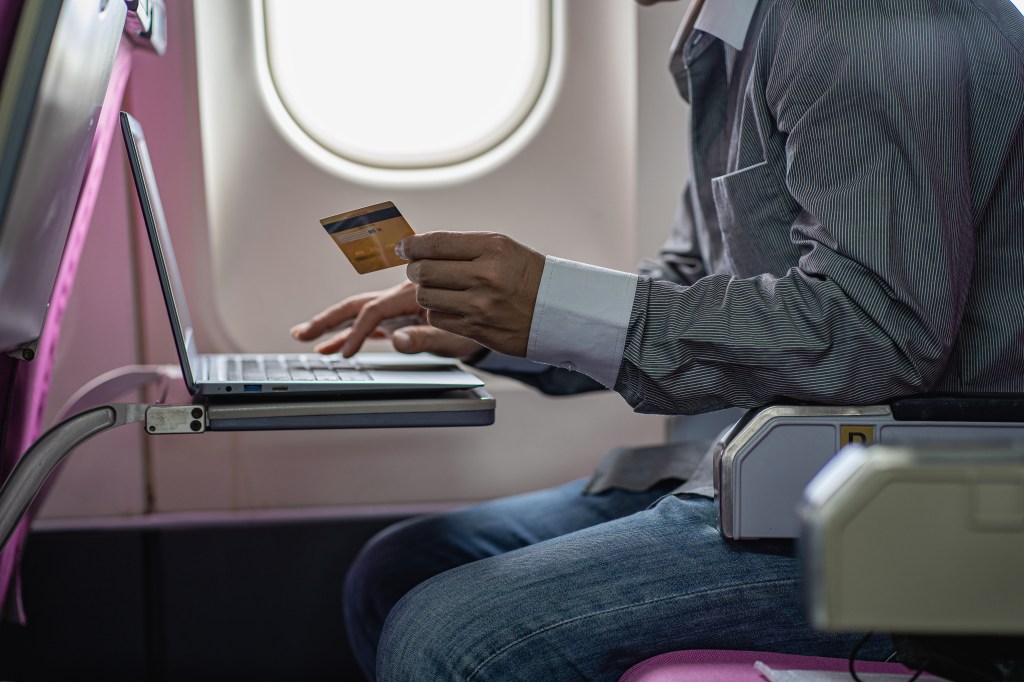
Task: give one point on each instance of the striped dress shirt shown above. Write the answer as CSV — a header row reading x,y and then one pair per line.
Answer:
x,y
853,227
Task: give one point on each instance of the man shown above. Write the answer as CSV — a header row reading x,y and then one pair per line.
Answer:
x,y
850,233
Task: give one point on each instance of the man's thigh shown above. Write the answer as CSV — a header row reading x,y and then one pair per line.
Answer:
x,y
449,539
408,553
590,604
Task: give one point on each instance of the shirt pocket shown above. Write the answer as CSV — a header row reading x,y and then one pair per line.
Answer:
x,y
756,213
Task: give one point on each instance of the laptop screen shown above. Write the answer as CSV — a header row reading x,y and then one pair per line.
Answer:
x,y
160,240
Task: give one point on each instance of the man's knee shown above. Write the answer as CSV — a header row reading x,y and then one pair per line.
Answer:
x,y
494,619
383,571
398,559
424,637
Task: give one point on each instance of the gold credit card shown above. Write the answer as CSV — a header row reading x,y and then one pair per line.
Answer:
x,y
367,236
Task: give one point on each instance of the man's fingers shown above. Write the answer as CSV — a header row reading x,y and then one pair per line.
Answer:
x,y
423,339
366,322
419,339
386,312
332,344
449,322
457,275
445,245
393,302
481,285
391,324
443,300
330,318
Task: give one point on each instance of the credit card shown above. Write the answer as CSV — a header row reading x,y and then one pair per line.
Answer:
x,y
367,236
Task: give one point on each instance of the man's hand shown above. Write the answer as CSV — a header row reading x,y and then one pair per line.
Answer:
x,y
366,316
479,285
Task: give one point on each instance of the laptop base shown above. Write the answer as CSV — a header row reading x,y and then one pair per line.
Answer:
x,y
474,407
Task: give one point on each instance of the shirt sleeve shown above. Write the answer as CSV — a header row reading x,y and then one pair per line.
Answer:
x,y
873,153
580,318
679,258
499,363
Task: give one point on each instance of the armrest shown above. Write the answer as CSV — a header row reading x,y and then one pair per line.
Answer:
x,y
764,463
924,540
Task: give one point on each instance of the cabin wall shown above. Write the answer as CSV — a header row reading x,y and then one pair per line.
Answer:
x,y
606,171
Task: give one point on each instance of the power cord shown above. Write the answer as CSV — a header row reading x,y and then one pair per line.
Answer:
x,y
852,660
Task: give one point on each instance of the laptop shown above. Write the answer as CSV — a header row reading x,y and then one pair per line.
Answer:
x,y
271,374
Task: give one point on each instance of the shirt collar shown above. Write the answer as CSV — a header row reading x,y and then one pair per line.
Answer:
x,y
727,20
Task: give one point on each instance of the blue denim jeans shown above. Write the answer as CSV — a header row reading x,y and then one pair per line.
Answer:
x,y
556,585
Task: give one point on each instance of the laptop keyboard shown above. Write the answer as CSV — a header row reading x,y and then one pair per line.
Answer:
x,y
289,368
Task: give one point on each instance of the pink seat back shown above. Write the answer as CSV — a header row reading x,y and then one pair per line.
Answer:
x,y
24,385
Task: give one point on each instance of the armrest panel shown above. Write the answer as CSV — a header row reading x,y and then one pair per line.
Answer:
x,y
926,540
763,465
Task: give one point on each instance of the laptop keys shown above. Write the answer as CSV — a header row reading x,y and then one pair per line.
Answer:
x,y
353,376
252,371
292,368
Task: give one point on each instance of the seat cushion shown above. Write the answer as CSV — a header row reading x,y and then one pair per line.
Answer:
x,y
702,665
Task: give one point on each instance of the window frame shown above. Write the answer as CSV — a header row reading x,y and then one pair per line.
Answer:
x,y
482,159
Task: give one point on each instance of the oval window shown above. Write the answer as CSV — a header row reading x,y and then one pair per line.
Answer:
x,y
408,83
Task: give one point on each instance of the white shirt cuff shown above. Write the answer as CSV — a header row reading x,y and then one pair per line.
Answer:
x,y
499,362
580,318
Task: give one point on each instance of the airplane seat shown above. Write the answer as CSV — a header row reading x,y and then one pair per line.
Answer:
x,y
9,11
706,665
52,166
915,527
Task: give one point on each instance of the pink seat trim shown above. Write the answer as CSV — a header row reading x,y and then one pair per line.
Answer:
x,y
702,665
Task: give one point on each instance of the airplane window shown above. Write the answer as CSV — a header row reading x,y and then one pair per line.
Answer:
x,y
405,83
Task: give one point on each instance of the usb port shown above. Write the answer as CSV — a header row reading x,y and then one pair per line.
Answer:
x,y
252,388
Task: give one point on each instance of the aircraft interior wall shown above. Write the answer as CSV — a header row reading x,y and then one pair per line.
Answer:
x,y
597,182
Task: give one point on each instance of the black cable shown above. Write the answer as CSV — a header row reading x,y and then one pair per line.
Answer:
x,y
856,650
853,655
